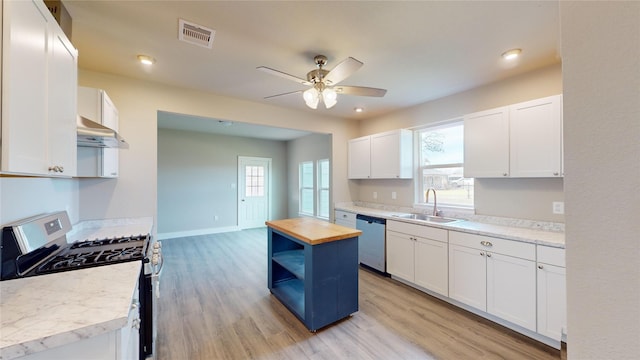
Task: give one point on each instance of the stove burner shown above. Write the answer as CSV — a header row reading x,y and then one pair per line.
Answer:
x,y
96,253
108,241
123,254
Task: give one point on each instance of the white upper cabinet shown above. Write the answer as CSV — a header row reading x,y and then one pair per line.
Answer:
x,y
39,81
387,155
520,140
536,138
486,143
360,158
95,104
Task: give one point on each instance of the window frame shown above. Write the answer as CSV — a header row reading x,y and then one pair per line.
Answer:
x,y
420,168
320,188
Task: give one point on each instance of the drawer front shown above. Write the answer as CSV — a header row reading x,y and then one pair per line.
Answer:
x,y
346,216
494,245
551,255
424,231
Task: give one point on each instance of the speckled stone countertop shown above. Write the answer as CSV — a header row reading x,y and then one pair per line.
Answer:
x,y
47,311
42,312
547,234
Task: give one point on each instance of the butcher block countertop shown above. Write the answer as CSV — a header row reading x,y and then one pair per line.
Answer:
x,y
313,231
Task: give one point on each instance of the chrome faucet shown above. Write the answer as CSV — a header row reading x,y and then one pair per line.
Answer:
x,y
435,200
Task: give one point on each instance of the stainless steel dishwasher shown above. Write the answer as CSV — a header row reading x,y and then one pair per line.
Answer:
x,y
371,244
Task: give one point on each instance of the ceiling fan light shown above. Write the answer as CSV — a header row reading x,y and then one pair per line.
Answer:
x,y
329,97
311,98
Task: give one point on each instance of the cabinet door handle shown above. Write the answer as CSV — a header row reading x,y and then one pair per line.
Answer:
x,y
486,243
540,267
505,174
481,253
555,173
488,255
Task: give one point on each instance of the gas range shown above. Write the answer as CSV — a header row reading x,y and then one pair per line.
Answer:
x,y
38,246
96,252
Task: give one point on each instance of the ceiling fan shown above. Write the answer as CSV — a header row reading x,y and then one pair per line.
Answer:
x,y
324,82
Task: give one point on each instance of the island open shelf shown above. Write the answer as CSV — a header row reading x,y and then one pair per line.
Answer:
x,y
313,269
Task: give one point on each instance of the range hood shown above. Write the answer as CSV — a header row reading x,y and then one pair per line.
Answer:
x,y
92,134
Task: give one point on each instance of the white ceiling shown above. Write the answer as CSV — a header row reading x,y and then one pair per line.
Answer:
x,y
417,50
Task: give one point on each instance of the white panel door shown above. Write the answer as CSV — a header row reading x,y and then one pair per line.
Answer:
x,y
24,97
253,191
536,138
359,152
511,289
486,143
552,300
468,276
63,84
431,265
400,255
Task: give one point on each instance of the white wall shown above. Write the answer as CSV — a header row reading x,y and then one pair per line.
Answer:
x,y
195,176
134,193
309,148
601,76
22,197
519,198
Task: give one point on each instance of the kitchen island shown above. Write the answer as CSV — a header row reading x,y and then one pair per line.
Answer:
x,y
313,269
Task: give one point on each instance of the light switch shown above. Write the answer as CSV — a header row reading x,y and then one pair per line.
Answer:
x,y
558,207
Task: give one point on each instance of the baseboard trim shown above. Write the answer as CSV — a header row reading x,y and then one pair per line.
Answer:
x,y
179,234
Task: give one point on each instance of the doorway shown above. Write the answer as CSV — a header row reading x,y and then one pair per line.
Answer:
x,y
254,199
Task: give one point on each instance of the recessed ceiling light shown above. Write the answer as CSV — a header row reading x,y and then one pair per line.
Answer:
x,y
146,59
358,109
511,54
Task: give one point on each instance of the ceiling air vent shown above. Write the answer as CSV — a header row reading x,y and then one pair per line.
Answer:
x,y
195,34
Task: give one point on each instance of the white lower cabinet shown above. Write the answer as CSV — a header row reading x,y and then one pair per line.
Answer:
x,y
468,276
523,284
418,254
552,292
494,275
511,289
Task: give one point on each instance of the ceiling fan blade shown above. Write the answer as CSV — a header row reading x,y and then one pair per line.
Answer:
x,y
343,70
287,93
283,75
360,91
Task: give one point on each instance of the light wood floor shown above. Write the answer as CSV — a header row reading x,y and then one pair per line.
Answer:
x,y
215,304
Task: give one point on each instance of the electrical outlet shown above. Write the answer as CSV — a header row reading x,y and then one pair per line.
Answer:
x,y
375,194
394,195
558,207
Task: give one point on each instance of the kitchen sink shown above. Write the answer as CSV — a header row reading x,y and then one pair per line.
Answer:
x,y
428,218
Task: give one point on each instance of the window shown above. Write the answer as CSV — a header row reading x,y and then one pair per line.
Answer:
x,y
307,192
323,188
314,191
254,181
442,165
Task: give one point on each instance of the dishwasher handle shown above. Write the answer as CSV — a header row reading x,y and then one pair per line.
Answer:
x,y
371,219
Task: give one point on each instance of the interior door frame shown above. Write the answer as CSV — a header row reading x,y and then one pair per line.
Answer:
x,y
240,195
